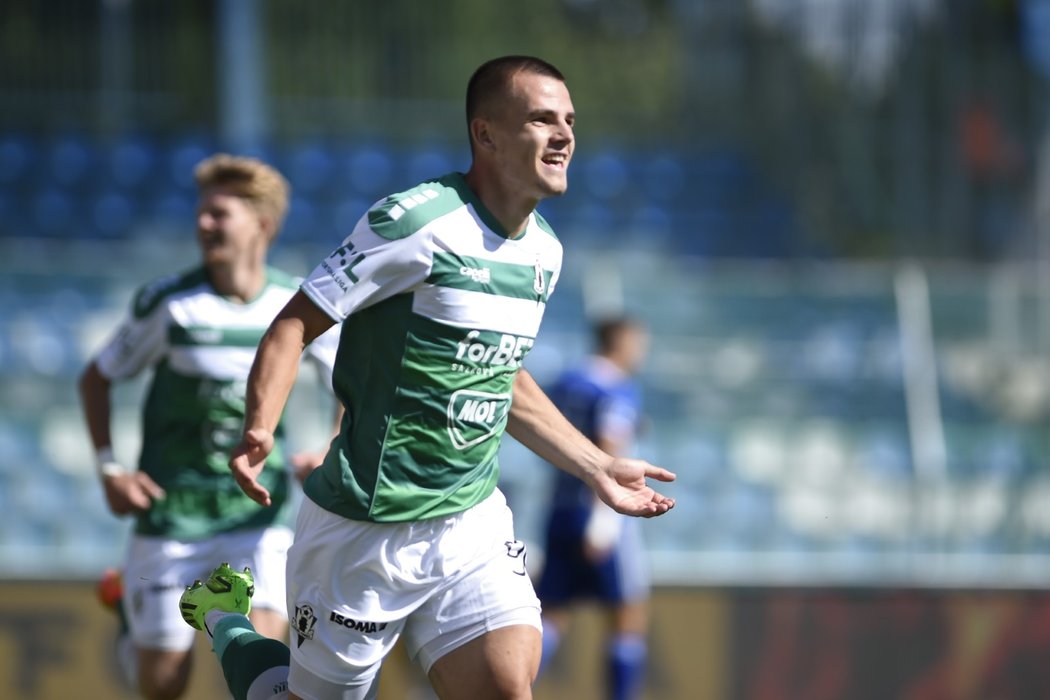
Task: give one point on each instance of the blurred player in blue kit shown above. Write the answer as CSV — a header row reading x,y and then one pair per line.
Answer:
x,y
593,552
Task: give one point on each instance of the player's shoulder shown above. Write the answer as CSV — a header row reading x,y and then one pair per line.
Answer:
x,y
151,295
402,214
543,225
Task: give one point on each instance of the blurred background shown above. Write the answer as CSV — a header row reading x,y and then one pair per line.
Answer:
x,y
833,215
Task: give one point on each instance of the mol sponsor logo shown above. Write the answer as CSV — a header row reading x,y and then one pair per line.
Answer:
x,y
475,416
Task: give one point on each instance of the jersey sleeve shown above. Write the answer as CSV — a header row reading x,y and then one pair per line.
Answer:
x,y
140,341
367,269
322,351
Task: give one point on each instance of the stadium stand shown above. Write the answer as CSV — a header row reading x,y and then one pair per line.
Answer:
x,y
778,396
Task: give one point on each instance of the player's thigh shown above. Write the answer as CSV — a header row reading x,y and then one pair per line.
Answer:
x,y
347,612
490,589
500,664
156,572
270,623
163,674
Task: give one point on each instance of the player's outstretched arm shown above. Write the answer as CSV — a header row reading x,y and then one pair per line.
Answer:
x,y
620,482
126,492
269,383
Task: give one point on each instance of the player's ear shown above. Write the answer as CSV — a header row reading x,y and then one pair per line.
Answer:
x,y
481,133
266,223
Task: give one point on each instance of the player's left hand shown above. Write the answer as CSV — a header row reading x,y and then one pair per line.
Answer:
x,y
622,485
247,462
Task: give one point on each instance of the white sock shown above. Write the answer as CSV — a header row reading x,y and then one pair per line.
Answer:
x,y
213,617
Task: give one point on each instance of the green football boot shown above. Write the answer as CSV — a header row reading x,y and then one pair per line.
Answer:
x,y
225,589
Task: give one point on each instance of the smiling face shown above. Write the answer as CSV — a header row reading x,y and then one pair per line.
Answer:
x,y
229,229
530,136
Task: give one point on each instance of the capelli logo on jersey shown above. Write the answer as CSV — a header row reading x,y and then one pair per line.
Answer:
x,y
481,275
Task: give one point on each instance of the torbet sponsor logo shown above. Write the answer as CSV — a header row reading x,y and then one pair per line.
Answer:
x,y
509,351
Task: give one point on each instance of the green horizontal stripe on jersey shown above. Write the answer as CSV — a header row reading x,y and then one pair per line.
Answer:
x,y
220,337
487,276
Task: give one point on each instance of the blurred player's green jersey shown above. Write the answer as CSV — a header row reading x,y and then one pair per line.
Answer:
x,y
201,347
440,308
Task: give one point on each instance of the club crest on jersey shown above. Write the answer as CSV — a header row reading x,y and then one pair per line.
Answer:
x,y
304,623
475,416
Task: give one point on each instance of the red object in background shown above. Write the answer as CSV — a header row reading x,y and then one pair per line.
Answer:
x,y
110,589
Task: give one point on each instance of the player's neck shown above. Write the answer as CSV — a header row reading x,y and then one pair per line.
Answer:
x,y
241,282
509,208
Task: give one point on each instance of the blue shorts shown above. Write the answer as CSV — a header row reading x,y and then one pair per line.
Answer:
x,y
568,575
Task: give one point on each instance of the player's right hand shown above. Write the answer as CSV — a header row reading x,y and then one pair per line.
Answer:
x,y
131,493
247,462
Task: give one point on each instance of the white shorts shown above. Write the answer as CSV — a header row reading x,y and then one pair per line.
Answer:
x,y
354,587
158,569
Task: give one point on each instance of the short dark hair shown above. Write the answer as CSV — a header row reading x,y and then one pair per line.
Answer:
x,y
608,330
493,77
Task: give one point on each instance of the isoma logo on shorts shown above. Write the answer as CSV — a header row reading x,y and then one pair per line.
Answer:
x,y
359,625
474,416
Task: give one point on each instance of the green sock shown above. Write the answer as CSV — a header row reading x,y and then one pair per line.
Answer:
x,y
245,654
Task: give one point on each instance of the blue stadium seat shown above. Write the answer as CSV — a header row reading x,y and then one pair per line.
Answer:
x,y
13,220
368,170
183,156
311,167
132,162
54,213
17,156
302,221
428,163
651,226
347,213
113,214
172,209
605,176
70,161
662,177
885,452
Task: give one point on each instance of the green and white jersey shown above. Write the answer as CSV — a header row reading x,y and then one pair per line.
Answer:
x,y
201,347
440,308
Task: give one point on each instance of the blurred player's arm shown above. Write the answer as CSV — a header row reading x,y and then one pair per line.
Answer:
x,y
269,383
619,481
126,492
322,352
303,463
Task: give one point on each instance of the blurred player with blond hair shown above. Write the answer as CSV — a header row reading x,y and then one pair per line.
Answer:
x,y
197,332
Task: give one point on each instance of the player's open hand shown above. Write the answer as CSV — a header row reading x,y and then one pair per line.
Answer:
x,y
622,485
131,493
247,461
